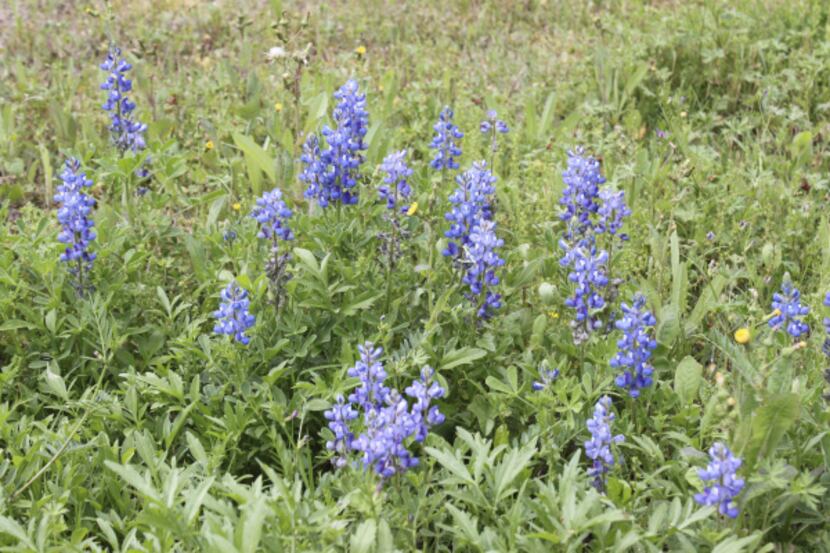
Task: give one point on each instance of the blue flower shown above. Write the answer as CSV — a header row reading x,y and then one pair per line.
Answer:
x,y
339,417
315,171
482,262
372,392
127,133
471,203
635,347
446,139
272,215
546,378
611,212
233,316
588,273
395,186
598,448
493,125
789,311
725,484
389,423
76,226
580,198
424,391
333,172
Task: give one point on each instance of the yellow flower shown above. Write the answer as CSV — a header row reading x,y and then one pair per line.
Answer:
x,y
413,209
360,50
742,335
553,314
209,145
236,206
278,107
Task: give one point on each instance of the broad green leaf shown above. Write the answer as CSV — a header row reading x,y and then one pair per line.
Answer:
x,y
363,539
687,379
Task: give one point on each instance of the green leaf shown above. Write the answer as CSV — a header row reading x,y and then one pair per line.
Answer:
x,y
14,529
363,539
463,356
16,324
257,160
687,379
770,423
134,479
451,463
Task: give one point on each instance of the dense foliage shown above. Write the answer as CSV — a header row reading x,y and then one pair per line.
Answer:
x,y
433,276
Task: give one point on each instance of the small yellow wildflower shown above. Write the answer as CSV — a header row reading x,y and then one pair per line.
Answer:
x,y
413,209
743,336
236,206
683,114
553,314
360,50
278,107
209,145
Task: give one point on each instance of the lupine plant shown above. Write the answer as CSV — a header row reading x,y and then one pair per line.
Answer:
x,y
493,126
446,142
789,311
272,214
471,203
546,378
588,211
77,231
394,190
233,318
598,448
481,261
635,347
126,131
332,173
389,423
724,484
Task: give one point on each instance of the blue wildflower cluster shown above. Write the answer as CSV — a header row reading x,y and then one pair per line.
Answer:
x,y
232,316
598,448
446,141
587,212
76,226
588,273
493,125
635,347
471,203
389,422
127,133
789,311
331,173
272,215
482,262
546,378
725,484
612,211
395,187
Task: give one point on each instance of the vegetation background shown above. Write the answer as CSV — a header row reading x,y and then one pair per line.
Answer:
x,y
125,425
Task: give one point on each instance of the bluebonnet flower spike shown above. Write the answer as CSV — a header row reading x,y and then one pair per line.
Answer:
x,y
446,141
789,311
232,316
598,448
725,485
635,347
77,231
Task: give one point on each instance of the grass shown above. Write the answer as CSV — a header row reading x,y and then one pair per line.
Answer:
x,y
127,425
